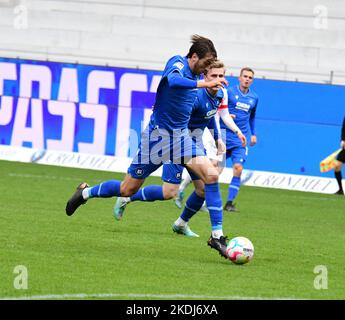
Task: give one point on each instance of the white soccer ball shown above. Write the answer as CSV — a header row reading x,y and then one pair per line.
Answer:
x,y
240,250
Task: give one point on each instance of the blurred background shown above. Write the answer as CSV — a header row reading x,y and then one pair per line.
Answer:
x,y
110,54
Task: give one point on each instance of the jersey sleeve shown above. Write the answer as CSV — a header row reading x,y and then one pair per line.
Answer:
x,y
177,64
176,80
224,102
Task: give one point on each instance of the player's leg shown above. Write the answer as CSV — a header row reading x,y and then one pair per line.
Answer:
x,y
238,157
192,206
105,189
171,179
337,171
203,167
180,194
140,168
215,162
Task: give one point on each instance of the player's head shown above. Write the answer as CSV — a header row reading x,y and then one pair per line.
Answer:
x,y
215,70
201,53
246,77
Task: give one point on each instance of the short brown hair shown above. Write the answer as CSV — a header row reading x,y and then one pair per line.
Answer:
x,y
214,64
201,46
247,69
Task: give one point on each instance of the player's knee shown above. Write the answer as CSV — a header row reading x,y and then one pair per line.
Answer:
x,y
200,192
170,192
211,178
338,166
238,168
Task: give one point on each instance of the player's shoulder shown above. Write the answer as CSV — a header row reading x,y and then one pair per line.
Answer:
x,y
177,61
253,94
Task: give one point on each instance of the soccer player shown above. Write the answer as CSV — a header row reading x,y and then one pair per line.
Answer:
x,y
242,103
205,107
167,138
340,161
213,153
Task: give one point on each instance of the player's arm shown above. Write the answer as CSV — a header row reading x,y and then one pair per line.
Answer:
x,y
253,138
215,83
214,128
230,123
177,80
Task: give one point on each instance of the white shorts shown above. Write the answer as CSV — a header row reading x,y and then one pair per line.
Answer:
x,y
210,146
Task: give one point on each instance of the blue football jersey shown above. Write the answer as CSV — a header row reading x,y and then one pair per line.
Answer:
x,y
243,106
173,106
204,108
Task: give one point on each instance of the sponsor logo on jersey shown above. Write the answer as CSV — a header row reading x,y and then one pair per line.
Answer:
x,y
210,113
242,106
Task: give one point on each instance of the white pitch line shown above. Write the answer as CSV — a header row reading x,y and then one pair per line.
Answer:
x,y
138,295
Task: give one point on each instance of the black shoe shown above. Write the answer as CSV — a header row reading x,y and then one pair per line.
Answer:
x,y
219,244
229,206
76,200
340,192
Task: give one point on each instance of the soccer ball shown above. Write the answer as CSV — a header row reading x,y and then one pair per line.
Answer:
x,y
240,250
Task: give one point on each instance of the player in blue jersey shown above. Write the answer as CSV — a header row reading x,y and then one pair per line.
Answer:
x,y
166,138
242,103
205,107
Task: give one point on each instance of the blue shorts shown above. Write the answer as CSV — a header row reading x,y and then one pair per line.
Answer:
x,y
172,173
158,146
237,154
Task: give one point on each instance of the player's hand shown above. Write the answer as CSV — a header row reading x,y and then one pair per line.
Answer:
x,y
233,115
215,83
242,138
221,148
253,141
342,144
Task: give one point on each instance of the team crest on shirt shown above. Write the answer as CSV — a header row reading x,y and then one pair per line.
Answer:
x,y
139,172
236,97
178,175
179,65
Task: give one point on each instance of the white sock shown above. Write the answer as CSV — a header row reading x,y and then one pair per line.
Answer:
x,y
85,193
184,184
180,222
217,233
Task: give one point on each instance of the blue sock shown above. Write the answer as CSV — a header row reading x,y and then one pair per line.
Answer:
x,y
148,193
234,187
192,206
214,205
106,189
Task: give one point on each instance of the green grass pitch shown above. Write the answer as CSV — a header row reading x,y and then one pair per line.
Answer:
x,y
91,255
